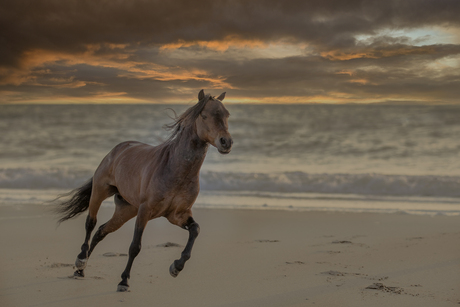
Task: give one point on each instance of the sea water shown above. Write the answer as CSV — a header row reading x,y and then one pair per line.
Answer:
x,y
363,158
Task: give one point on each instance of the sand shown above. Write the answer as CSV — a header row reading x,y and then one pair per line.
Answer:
x,y
241,258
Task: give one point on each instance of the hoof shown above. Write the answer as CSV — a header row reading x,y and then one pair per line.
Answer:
x,y
81,263
123,288
173,271
79,273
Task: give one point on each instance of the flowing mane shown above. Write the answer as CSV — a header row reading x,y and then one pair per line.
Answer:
x,y
186,119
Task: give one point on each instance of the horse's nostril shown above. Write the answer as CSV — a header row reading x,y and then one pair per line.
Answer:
x,y
226,143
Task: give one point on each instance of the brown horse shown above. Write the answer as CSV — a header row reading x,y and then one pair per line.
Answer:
x,y
152,181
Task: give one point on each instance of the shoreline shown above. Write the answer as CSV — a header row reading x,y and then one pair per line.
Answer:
x,y
242,257
297,202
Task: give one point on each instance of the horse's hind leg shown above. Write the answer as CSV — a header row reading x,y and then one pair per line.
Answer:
x,y
97,196
123,213
135,247
193,229
80,262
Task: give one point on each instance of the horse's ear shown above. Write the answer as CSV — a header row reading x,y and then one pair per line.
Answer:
x,y
201,95
222,96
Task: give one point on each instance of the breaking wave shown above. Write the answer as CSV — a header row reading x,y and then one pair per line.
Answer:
x,y
284,182
359,184
54,178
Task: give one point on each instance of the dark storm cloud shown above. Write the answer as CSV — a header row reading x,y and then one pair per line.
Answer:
x,y
83,48
71,24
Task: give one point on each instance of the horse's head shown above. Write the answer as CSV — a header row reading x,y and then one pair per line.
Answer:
x,y
212,125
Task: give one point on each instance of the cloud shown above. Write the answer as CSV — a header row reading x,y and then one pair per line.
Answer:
x,y
260,50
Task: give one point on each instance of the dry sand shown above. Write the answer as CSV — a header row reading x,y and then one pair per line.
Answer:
x,y
241,258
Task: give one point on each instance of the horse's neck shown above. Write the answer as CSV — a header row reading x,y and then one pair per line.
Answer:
x,y
188,153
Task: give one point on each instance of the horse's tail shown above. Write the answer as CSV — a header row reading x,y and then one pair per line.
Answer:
x,y
77,204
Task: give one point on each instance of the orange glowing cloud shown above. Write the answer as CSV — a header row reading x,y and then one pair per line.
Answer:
x,y
218,45
331,98
98,98
163,73
377,52
35,59
345,72
360,81
351,73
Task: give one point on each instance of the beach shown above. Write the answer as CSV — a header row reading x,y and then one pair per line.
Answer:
x,y
241,258
316,205
318,143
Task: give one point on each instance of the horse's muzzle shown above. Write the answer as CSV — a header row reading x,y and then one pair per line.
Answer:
x,y
225,145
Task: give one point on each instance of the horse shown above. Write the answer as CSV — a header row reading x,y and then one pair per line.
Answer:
x,y
148,182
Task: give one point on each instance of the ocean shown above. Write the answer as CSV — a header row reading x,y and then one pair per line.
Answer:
x,y
351,158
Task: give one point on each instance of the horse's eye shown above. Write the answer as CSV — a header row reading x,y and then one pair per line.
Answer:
x,y
204,116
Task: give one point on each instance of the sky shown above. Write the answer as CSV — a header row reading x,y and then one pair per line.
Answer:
x,y
322,51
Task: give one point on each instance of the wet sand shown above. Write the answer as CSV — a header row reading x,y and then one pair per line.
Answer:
x,y
241,258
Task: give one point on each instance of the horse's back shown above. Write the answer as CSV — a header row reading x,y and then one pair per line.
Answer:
x,y
122,156
130,166
127,145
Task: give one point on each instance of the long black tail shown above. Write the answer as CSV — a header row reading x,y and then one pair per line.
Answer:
x,y
77,204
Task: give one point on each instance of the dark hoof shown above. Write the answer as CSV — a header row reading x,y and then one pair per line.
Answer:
x,y
173,271
123,288
79,273
80,263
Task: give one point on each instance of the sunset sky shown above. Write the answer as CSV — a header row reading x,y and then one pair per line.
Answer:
x,y
322,51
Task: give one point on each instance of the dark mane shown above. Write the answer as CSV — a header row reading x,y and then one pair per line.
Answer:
x,y
186,119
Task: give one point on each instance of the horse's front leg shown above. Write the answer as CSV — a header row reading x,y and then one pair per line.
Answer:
x,y
193,229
